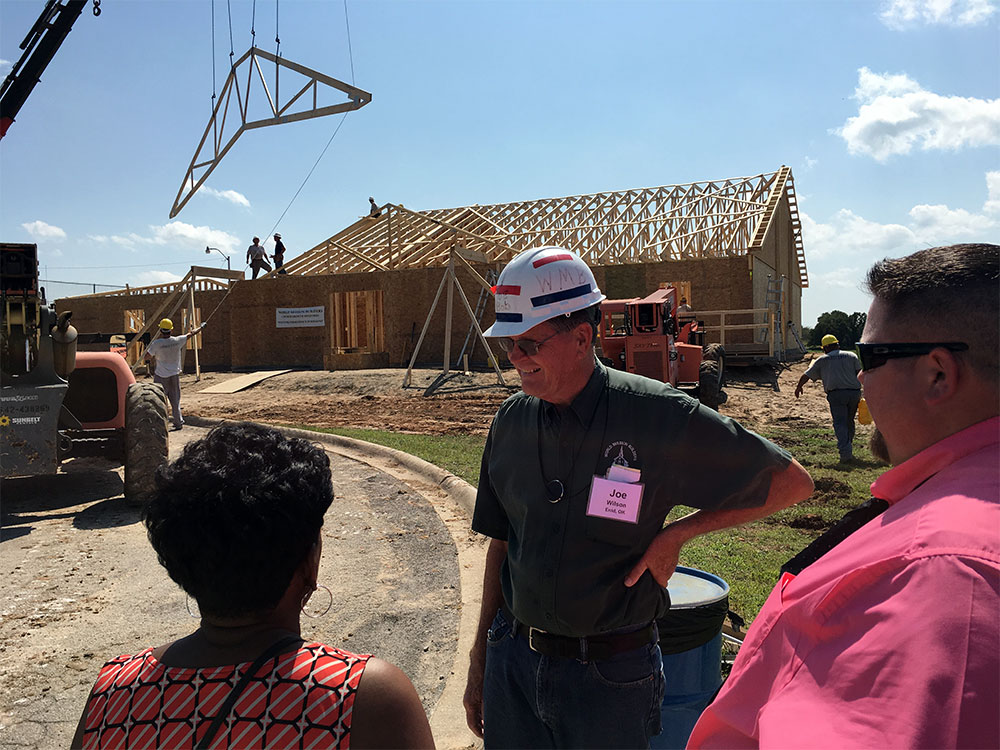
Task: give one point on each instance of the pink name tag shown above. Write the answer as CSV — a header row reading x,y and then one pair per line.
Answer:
x,y
619,501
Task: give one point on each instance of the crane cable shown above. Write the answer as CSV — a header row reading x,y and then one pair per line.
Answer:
x,y
340,124
253,22
350,52
213,56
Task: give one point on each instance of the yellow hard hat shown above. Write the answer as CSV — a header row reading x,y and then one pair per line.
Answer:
x,y
168,325
829,339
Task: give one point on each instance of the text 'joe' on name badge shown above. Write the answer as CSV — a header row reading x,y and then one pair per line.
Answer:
x,y
619,501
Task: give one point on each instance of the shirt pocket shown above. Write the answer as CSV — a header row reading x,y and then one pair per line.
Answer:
x,y
609,531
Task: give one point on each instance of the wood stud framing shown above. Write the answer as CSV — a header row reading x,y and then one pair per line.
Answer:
x,y
712,219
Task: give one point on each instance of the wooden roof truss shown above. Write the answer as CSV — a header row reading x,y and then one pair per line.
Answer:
x,y
236,112
716,218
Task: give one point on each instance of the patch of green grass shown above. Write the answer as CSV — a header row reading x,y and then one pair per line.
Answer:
x,y
749,557
459,454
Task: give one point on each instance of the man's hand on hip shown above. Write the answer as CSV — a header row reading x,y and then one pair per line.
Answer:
x,y
660,558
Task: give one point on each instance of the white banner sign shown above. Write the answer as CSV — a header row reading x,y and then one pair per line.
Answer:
x,y
299,317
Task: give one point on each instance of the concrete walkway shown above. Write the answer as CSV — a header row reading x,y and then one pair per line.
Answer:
x,y
453,499
81,583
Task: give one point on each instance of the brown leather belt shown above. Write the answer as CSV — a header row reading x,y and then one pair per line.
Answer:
x,y
590,648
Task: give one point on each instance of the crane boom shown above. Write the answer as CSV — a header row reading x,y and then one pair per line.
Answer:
x,y
40,46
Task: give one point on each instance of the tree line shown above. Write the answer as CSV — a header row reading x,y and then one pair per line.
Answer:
x,y
847,328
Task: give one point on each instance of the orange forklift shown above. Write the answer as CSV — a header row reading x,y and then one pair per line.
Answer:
x,y
644,336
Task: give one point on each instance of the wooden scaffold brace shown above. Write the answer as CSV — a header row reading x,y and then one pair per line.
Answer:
x,y
451,281
184,294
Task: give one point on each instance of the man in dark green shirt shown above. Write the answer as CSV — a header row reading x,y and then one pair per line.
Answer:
x,y
579,472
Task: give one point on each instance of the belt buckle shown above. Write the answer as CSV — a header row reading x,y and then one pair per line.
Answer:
x,y
531,637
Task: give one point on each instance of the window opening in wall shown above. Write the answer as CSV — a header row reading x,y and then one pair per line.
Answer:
x,y
357,322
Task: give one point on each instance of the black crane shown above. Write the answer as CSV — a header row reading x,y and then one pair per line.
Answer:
x,y
40,45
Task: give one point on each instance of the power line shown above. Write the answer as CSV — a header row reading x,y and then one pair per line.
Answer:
x,y
103,268
82,283
336,130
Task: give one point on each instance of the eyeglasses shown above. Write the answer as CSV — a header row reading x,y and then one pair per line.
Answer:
x,y
876,355
527,346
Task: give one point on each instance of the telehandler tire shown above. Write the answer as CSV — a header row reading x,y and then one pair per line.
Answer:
x,y
716,353
712,353
145,439
710,385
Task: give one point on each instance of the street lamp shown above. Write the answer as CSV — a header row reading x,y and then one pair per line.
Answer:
x,y
208,251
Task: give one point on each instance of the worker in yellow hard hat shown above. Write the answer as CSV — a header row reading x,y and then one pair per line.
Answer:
x,y
167,353
839,372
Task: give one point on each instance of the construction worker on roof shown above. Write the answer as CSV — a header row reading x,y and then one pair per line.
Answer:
x,y
578,474
839,372
168,355
279,254
257,257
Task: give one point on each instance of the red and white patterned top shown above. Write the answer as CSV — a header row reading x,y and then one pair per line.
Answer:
x,y
302,699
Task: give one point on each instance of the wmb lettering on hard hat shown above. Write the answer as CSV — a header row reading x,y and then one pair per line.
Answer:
x,y
541,284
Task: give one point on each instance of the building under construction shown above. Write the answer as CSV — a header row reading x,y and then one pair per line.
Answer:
x,y
362,297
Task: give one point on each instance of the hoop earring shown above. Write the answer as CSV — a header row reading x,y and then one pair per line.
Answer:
x,y
187,605
328,604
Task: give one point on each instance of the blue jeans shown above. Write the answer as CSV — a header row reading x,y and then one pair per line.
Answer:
x,y
536,701
843,406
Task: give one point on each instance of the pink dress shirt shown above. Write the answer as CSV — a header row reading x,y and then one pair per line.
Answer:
x,y
890,640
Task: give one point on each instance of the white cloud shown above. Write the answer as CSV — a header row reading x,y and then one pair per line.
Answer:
x,y
992,205
808,163
149,278
846,277
896,114
904,14
41,230
936,225
840,251
177,235
5,66
227,195
848,234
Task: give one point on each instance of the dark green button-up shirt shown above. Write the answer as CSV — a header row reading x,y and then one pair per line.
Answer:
x,y
565,570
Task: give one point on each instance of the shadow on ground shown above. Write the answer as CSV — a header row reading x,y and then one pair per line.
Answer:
x,y
92,497
758,376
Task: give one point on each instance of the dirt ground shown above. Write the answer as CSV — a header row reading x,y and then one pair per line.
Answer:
x,y
459,404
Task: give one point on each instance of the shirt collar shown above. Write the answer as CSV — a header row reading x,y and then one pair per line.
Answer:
x,y
584,404
901,480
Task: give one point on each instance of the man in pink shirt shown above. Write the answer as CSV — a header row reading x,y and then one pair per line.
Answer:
x,y
885,632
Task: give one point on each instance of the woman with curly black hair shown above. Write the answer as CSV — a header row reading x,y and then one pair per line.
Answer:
x,y
236,522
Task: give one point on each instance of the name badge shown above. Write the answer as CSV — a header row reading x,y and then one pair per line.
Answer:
x,y
619,501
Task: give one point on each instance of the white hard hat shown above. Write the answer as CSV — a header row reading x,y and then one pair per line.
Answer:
x,y
541,284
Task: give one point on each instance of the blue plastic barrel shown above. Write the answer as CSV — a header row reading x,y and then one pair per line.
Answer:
x,y
691,642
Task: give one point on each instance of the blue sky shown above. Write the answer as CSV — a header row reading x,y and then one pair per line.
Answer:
x,y
887,112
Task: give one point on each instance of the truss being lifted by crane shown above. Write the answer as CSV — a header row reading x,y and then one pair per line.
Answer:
x,y
232,115
711,219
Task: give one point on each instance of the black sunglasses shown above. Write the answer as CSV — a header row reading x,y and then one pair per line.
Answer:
x,y
876,355
525,345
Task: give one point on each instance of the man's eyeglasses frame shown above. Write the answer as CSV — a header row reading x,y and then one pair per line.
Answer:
x,y
876,355
528,347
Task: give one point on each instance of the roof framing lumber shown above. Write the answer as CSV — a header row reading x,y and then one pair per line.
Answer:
x,y
710,219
